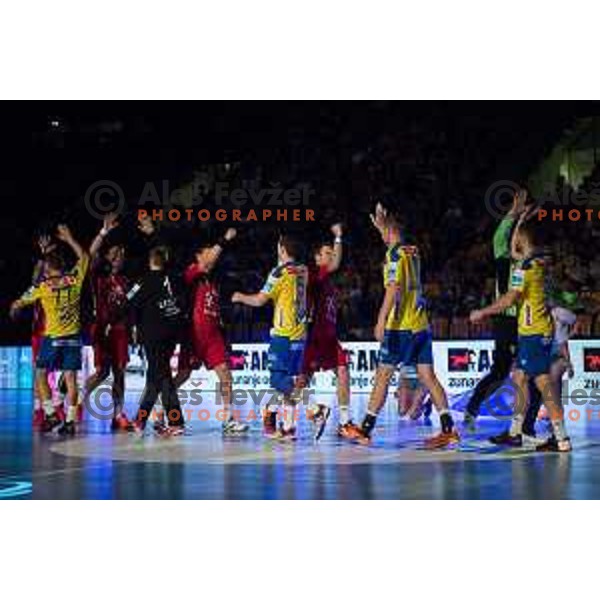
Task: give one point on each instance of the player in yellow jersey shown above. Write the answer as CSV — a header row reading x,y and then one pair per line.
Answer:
x,y
286,288
59,293
535,329
403,330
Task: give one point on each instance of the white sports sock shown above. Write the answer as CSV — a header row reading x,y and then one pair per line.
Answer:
x,y
71,414
288,418
344,414
558,427
516,425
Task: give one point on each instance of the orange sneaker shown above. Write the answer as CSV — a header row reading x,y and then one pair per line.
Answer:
x,y
360,436
442,440
348,431
121,423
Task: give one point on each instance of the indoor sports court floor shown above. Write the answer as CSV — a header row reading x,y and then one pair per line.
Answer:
x,y
204,465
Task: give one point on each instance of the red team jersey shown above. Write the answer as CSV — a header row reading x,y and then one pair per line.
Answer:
x,y
110,344
323,351
110,292
323,298
206,310
206,344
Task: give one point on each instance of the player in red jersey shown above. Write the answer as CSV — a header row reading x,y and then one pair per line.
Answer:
x,y
206,344
323,350
110,331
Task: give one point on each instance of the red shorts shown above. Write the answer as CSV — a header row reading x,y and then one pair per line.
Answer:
x,y
110,350
206,347
324,354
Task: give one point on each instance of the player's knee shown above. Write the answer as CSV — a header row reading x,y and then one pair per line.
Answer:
x,y
301,381
224,375
281,381
343,373
427,376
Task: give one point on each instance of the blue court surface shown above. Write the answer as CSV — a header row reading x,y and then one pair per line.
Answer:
x,y
98,464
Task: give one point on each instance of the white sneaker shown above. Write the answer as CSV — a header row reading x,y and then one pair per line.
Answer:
x,y
531,442
233,428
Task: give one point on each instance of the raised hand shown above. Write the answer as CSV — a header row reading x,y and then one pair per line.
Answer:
x,y
336,229
230,234
110,222
379,218
519,202
45,244
145,225
63,233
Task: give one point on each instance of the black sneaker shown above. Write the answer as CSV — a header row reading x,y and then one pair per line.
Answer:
x,y
285,435
270,423
51,422
506,439
160,427
67,428
553,445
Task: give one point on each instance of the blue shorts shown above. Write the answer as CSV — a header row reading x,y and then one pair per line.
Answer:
x,y
285,362
406,348
60,354
534,354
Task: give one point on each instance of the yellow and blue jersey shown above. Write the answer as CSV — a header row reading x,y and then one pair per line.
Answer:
x,y
530,280
286,286
60,299
403,268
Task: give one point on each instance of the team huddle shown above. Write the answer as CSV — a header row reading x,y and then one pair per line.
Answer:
x,y
304,336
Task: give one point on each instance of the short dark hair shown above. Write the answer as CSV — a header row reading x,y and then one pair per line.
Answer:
x,y
532,231
292,244
110,245
316,246
160,255
55,260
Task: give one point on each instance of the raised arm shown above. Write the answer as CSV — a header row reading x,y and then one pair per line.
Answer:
x,y
110,222
337,247
64,234
46,245
215,251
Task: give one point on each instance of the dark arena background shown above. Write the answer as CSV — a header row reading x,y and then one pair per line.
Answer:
x,y
449,171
